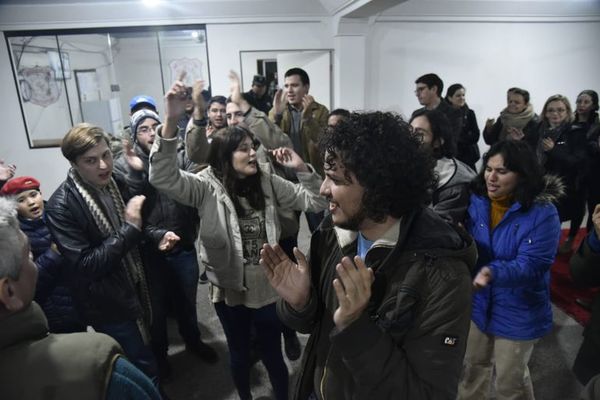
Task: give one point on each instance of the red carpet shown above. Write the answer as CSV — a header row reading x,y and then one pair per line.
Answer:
x,y
562,291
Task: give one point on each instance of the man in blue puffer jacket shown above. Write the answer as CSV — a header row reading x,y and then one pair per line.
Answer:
x,y
51,291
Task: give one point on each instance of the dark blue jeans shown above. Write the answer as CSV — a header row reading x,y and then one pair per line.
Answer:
x,y
173,282
183,271
237,322
129,383
128,335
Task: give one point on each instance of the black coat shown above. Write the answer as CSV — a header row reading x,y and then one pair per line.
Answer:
x,y
466,135
101,288
492,135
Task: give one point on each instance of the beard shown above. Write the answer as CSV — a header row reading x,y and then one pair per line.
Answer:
x,y
354,221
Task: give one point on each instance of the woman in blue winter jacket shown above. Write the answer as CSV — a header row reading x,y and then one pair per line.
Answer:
x,y
516,228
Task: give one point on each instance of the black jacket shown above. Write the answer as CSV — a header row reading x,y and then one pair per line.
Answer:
x,y
585,271
51,290
161,213
466,136
492,135
97,277
411,340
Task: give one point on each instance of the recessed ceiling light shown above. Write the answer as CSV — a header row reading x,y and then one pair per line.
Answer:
x,y
151,3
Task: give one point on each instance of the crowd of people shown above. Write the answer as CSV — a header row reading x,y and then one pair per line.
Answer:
x,y
425,278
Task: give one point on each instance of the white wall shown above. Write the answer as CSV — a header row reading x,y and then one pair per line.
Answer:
x,y
47,165
487,58
545,58
226,40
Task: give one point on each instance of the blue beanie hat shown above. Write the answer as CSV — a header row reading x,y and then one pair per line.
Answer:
x,y
142,99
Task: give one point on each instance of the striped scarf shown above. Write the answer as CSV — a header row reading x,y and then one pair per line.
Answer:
x,y
132,260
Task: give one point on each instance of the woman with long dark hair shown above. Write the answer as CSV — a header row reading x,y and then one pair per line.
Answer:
x,y
516,227
237,201
467,135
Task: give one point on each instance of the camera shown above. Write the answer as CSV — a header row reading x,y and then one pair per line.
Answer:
x,y
188,93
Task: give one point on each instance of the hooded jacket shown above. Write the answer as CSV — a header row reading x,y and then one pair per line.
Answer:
x,y
451,197
410,341
220,239
519,251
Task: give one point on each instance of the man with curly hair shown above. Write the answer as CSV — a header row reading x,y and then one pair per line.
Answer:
x,y
386,297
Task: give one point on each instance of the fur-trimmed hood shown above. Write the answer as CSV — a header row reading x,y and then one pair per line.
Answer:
x,y
553,191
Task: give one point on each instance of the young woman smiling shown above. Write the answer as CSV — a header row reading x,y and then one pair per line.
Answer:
x,y
516,228
237,201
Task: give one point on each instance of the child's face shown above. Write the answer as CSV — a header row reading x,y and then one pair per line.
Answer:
x,y
30,204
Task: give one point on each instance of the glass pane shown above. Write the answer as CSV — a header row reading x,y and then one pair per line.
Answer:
x,y
137,68
41,76
185,50
89,79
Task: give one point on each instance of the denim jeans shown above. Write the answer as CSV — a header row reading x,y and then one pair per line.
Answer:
x,y
173,282
237,322
129,383
128,335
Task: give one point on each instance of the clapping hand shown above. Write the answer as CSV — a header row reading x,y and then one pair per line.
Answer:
x,y
353,290
290,280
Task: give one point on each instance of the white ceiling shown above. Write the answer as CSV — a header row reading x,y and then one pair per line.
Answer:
x,y
17,13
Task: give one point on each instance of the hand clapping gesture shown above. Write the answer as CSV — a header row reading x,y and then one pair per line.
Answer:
x,y
290,280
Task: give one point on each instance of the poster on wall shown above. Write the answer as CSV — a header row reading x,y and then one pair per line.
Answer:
x,y
192,68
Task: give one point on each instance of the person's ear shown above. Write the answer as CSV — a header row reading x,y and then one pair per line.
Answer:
x,y
9,297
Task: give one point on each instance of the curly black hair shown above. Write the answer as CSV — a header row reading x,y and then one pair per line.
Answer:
x,y
387,159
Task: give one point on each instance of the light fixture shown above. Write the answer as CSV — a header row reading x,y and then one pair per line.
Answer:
x,y
151,3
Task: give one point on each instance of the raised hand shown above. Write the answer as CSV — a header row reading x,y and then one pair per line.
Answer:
x,y
198,99
353,290
133,210
279,101
289,158
234,87
307,102
7,171
490,122
290,280
168,241
235,91
176,100
134,161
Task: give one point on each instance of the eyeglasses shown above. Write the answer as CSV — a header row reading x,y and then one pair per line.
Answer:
x,y
146,129
556,110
